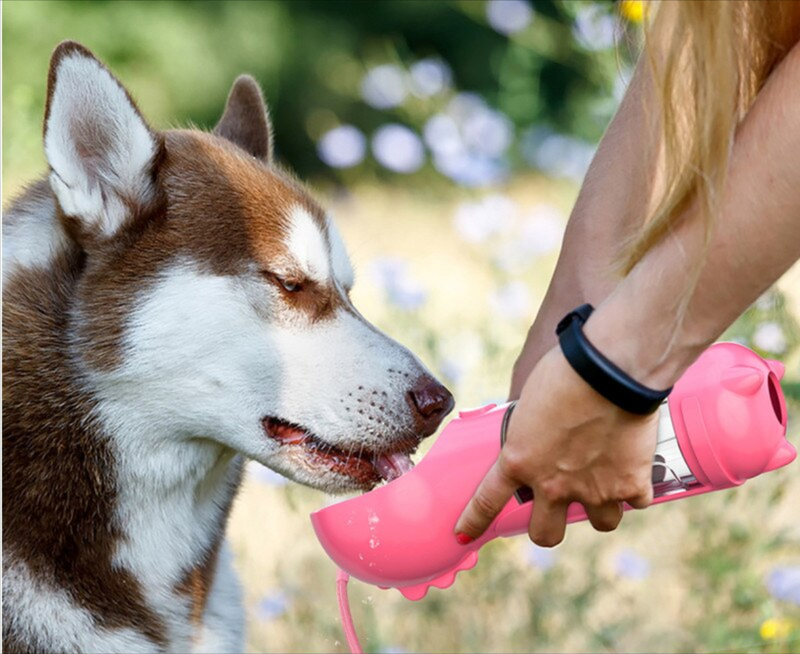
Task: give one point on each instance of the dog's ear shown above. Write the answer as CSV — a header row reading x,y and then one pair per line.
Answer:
x,y
246,121
101,152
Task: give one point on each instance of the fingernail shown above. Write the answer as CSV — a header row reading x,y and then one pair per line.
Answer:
x,y
463,539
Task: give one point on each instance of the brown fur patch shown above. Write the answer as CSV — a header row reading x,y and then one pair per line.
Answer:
x,y
58,472
245,121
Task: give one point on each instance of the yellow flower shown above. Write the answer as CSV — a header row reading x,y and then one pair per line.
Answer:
x,y
633,10
776,629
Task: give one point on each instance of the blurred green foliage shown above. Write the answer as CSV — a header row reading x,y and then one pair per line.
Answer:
x,y
699,575
180,58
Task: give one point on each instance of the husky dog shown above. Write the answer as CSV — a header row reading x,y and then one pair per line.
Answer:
x,y
174,303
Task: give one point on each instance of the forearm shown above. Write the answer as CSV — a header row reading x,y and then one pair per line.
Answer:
x,y
612,202
641,325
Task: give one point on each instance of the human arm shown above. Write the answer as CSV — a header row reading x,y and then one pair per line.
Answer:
x,y
611,203
565,441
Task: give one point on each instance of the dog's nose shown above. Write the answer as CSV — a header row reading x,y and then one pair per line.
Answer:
x,y
431,402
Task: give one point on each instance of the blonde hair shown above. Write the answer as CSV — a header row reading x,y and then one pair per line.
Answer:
x,y
709,60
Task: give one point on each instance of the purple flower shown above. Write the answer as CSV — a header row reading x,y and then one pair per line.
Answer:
x,y
632,565
398,148
477,221
511,301
556,154
384,87
471,169
452,370
272,606
442,135
342,147
543,558
594,28
403,290
488,132
509,16
543,230
469,141
783,583
430,77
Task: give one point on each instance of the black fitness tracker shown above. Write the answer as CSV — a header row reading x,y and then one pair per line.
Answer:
x,y
601,374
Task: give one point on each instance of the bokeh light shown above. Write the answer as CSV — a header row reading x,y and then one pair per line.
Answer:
x,y
398,148
509,16
342,147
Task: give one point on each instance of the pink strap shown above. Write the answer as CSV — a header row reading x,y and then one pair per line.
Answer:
x,y
344,613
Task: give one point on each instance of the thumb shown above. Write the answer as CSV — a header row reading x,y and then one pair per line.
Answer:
x,y
490,498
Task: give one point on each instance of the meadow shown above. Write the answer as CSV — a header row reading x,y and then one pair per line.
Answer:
x,y
453,262
717,573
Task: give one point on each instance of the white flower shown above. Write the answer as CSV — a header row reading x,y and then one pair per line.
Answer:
x,y
401,288
398,148
384,86
463,350
488,132
509,16
594,28
632,565
542,230
272,606
556,154
477,221
769,336
511,301
430,77
342,147
541,557
469,169
442,135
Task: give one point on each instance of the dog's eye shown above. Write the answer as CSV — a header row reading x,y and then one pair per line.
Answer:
x,y
288,285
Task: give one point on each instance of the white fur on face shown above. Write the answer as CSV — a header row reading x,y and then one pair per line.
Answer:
x,y
204,360
97,145
307,246
50,617
342,268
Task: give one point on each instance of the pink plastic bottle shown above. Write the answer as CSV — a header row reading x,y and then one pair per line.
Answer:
x,y
724,423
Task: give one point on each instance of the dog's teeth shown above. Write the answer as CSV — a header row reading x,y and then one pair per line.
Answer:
x,y
392,466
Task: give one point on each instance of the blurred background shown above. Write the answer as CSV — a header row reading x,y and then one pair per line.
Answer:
x,y
449,138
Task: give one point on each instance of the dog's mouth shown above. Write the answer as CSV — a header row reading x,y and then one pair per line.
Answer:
x,y
366,468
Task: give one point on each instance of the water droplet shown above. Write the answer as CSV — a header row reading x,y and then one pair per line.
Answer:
x,y
368,600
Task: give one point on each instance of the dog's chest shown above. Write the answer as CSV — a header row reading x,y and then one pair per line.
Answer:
x,y
173,536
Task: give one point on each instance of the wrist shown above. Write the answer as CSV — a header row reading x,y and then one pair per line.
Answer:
x,y
650,348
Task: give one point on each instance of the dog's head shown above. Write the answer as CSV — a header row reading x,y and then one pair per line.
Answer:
x,y
213,302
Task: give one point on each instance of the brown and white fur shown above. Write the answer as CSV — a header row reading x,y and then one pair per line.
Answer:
x,y
173,303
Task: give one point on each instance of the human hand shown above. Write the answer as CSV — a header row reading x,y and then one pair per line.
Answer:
x,y
568,444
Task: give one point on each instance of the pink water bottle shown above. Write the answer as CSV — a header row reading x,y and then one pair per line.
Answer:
x,y
724,423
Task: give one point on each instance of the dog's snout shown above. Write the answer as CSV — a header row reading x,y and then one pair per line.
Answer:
x,y
430,402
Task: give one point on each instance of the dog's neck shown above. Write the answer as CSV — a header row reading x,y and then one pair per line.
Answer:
x,y
97,498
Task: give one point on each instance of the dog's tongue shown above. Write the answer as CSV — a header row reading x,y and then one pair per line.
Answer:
x,y
392,466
